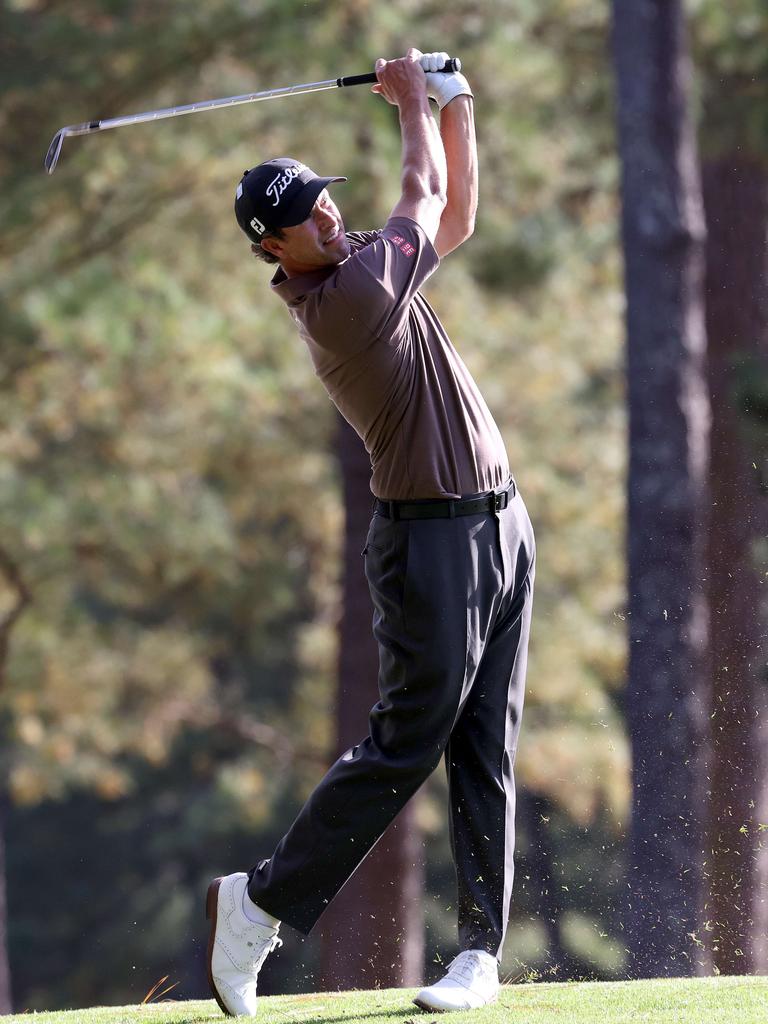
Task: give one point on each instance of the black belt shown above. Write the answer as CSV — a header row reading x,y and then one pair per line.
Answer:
x,y
447,508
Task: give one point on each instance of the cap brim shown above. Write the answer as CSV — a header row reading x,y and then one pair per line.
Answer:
x,y
302,205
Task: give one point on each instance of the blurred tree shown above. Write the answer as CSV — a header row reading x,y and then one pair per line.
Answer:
x,y
736,194
6,1001
164,595
372,935
663,231
15,599
160,428
734,72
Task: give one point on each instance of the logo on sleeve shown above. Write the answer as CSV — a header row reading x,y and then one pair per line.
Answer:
x,y
403,246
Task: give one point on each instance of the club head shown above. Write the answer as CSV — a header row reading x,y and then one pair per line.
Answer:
x,y
54,150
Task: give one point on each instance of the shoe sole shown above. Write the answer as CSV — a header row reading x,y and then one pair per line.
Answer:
x,y
212,913
426,1007
434,1009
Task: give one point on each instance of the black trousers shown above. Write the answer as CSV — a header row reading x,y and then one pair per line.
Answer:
x,y
452,600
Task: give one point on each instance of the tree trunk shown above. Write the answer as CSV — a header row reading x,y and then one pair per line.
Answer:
x,y
5,971
372,934
13,584
663,237
736,197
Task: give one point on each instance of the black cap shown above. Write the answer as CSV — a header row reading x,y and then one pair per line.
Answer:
x,y
277,194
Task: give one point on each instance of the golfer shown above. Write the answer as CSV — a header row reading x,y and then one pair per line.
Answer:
x,y
449,556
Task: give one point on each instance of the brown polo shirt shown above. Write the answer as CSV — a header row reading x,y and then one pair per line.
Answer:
x,y
391,370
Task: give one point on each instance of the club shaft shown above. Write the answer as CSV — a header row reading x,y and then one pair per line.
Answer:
x,y
89,127
194,108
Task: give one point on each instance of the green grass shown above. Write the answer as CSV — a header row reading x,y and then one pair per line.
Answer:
x,y
669,1001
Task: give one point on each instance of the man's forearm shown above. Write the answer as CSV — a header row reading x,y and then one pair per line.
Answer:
x,y
457,130
424,179
424,169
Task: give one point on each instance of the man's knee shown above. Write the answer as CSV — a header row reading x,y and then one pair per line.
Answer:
x,y
407,752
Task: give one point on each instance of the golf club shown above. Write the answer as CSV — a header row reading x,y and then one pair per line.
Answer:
x,y
89,127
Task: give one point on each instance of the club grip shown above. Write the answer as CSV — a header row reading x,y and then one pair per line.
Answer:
x,y
453,64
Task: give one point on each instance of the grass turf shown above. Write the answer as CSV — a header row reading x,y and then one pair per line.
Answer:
x,y
669,1001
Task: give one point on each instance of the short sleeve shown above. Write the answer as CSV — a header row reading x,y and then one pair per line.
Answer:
x,y
379,281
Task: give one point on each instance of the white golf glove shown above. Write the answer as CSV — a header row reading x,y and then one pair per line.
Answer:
x,y
443,87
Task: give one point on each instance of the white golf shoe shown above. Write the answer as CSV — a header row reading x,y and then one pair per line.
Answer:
x,y
472,981
237,947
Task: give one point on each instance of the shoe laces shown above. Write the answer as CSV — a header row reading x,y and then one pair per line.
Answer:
x,y
467,966
264,951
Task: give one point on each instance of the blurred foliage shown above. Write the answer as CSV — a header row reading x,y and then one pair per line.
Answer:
x,y
732,62
167,484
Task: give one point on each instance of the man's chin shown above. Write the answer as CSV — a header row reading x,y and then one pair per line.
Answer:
x,y
339,251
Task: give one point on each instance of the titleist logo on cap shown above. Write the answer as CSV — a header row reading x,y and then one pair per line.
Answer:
x,y
280,183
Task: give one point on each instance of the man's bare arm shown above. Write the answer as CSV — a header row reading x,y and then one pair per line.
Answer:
x,y
424,178
457,129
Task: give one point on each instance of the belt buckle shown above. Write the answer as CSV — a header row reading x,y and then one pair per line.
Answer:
x,y
500,501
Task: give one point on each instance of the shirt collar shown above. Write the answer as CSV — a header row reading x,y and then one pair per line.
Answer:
x,y
292,288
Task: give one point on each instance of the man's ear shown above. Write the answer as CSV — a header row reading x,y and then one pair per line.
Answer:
x,y
272,245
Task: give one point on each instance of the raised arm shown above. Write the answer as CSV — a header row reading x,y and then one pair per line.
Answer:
x,y
424,175
457,130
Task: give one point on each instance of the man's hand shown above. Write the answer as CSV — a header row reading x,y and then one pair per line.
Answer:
x,y
402,79
443,87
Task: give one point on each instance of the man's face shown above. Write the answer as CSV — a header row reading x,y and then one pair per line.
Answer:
x,y
319,241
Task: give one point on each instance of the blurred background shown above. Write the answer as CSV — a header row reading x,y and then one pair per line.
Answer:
x,y
184,633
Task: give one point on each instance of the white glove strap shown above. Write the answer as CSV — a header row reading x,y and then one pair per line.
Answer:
x,y
448,87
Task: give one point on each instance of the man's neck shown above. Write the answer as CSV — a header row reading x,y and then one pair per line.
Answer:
x,y
294,269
